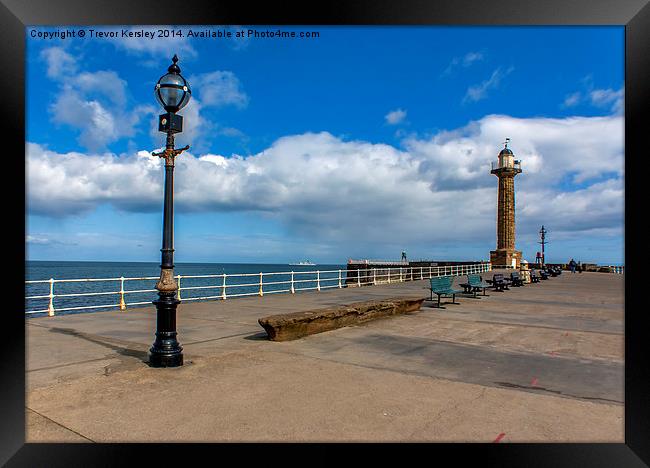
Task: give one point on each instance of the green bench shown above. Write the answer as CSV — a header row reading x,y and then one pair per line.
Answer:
x,y
474,284
442,285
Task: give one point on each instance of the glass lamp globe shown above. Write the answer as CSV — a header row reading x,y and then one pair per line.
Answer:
x,y
173,90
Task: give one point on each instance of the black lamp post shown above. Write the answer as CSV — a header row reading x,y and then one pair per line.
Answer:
x,y
173,92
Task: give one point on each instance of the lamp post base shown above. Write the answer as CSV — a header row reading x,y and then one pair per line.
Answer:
x,y
157,359
166,351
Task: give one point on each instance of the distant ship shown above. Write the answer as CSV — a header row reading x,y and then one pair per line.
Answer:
x,y
307,263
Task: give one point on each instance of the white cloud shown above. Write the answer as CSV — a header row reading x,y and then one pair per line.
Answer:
x,y
95,103
219,88
103,82
436,190
572,99
99,123
611,100
238,43
464,61
608,98
162,48
479,91
59,62
40,240
395,117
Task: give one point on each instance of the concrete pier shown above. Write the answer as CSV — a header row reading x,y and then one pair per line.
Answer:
x,y
541,363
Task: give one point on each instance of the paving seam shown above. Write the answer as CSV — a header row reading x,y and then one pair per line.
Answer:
x,y
419,374
71,364
59,424
503,350
224,320
100,340
525,325
187,343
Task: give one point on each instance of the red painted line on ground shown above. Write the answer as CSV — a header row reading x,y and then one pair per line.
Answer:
x,y
499,437
533,382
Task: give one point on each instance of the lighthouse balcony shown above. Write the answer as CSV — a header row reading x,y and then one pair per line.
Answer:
x,y
514,166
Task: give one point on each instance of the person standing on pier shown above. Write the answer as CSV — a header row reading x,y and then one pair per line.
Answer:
x,y
572,266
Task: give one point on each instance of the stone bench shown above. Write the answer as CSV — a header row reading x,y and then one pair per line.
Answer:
x,y
292,326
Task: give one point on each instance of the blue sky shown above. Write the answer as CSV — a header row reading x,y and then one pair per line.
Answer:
x,y
360,143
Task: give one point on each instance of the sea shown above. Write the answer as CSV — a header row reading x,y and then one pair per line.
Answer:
x,y
304,278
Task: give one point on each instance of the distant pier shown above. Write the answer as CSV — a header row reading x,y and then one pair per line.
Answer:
x,y
364,272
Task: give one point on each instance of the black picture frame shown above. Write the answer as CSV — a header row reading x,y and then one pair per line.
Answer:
x,y
633,14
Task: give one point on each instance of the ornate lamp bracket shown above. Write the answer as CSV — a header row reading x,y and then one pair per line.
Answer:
x,y
169,154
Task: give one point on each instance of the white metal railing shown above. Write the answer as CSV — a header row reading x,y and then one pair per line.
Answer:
x,y
250,284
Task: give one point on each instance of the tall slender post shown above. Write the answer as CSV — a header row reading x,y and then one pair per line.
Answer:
x,y
173,92
122,303
50,306
261,285
166,350
340,286
293,290
223,288
542,233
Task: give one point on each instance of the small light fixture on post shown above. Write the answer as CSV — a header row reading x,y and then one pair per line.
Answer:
x,y
173,92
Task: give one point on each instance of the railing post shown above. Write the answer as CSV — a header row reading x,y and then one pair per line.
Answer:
x,y
223,288
179,287
261,283
340,280
389,272
359,277
293,291
50,307
421,272
400,275
122,303
429,271
318,280
374,276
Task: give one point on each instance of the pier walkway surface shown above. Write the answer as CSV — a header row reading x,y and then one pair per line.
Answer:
x,y
539,363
